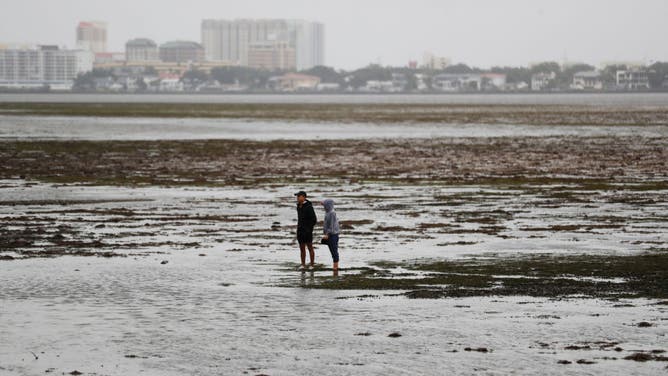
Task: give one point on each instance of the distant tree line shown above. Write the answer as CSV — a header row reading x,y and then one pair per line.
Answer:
x,y
257,79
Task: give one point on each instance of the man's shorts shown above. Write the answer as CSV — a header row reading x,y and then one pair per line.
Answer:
x,y
305,236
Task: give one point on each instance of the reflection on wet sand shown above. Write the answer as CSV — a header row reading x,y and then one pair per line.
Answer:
x,y
459,255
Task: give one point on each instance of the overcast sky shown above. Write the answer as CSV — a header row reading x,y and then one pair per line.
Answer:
x,y
359,32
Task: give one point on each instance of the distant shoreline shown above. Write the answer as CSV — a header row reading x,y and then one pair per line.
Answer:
x,y
614,99
342,93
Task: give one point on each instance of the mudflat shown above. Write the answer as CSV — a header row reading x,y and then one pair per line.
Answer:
x,y
458,253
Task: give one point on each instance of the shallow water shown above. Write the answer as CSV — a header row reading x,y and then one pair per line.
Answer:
x,y
92,128
223,314
602,99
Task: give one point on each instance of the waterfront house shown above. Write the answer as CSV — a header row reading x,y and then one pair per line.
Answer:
x,y
588,80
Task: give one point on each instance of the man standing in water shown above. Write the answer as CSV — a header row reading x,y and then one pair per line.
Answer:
x,y
306,220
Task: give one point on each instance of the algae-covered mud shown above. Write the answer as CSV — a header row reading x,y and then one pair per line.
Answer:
x,y
634,161
519,114
479,254
543,275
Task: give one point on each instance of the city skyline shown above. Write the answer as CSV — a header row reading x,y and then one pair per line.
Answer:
x,y
479,33
264,43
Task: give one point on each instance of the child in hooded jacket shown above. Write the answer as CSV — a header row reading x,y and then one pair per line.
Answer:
x,y
330,230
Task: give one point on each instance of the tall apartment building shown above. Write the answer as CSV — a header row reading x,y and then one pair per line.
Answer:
x,y
42,66
272,55
92,36
141,49
231,40
309,40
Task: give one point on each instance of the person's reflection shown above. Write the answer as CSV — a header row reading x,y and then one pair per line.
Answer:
x,y
307,280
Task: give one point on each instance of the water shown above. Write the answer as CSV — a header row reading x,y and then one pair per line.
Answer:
x,y
602,99
93,128
223,314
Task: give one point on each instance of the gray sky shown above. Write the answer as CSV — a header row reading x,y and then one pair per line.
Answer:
x,y
359,32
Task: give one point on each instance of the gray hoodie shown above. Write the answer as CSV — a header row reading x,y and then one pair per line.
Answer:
x,y
331,225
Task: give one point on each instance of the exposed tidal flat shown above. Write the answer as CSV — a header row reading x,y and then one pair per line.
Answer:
x,y
519,114
470,252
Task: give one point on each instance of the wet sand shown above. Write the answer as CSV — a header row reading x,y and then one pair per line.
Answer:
x,y
394,113
203,280
466,255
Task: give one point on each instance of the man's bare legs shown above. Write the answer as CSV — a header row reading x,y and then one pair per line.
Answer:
x,y
311,253
302,250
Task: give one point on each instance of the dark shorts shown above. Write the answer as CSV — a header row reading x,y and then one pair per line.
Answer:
x,y
305,236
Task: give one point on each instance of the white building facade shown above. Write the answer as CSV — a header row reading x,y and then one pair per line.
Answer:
x,y
633,79
589,80
309,40
542,81
454,82
433,62
43,66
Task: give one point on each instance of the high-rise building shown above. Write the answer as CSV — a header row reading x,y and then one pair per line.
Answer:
x,y
92,36
309,41
231,40
181,52
271,55
141,49
42,66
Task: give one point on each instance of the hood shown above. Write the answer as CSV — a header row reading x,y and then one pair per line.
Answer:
x,y
329,205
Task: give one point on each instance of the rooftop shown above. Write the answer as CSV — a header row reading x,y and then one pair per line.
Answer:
x,y
180,44
87,24
141,42
587,74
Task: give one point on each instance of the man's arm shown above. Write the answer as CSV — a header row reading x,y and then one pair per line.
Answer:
x,y
312,216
